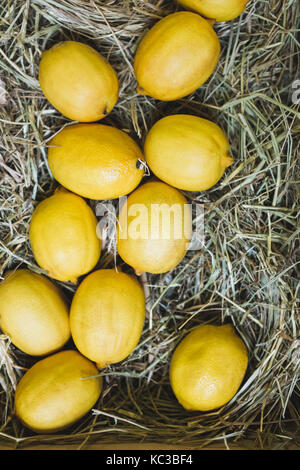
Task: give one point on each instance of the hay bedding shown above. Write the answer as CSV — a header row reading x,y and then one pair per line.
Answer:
x,y
247,270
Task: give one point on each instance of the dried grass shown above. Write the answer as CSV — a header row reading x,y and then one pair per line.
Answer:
x,y
248,269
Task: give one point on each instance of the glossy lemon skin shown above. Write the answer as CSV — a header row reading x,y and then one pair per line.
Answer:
x,y
176,56
78,81
63,236
187,152
207,367
33,313
107,316
219,10
55,392
154,228
95,161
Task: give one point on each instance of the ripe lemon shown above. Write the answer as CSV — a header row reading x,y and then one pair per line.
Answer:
x,y
187,152
95,161
33,313
78,81
154,228
220,10
207,367
107,316
63,236
176,56
55,392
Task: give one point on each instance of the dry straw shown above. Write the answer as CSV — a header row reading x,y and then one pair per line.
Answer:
x,y
247,271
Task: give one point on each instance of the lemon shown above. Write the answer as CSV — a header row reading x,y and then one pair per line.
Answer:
x,y
63,236
154,228
187,152
220,10
107,316
33,313
207,367
78,81
95,161
57,391
176,56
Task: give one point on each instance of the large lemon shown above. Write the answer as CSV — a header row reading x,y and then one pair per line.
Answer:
x,y
187,152
107,316
57,391
33,313
63,236
220,10
207,367
176,56
78,81
154,228
95,161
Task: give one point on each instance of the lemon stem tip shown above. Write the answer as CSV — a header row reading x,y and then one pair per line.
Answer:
x,y
101,365
138,272
141,91
227,160
211,21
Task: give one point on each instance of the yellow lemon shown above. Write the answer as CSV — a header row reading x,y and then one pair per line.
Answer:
x,y
78,81
187,152
107,316
33,313
63,236
176,56
154,228
208,367
57,391
95,161
220,10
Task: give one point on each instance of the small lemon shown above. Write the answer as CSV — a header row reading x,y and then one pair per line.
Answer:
x,y
219,10
107,316
154,228
78,81
207,367
176,56
33,313
95,161
187,152
63,236
57,391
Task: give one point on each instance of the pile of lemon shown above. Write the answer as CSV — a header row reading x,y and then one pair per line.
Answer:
x,y
91,160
